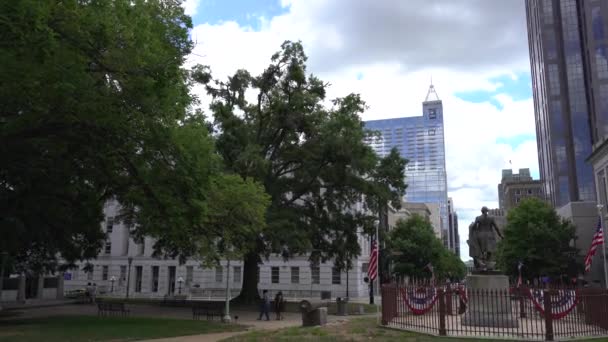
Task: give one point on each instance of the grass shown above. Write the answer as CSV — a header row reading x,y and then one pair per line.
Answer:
x,y
359,329
115,329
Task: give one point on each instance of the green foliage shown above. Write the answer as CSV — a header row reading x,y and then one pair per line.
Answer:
x,y
96,107
312,160
413,245
536,235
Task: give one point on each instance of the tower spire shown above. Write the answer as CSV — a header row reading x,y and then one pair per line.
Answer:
x,y
431,95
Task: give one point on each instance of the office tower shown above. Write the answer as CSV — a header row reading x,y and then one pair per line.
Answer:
x,y
453,237
514,187
568,43
420,140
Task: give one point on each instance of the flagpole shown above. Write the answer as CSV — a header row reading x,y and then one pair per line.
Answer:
x,y
378,275
599,211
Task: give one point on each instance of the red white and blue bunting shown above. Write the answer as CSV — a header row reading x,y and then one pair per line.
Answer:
x,y
419,300
561,303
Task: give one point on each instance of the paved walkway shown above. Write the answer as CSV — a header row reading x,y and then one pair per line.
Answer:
x,y
250,319
247,318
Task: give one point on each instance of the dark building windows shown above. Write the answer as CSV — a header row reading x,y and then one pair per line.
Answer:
x,y
564,70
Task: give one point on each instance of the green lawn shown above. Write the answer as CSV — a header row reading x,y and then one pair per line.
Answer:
x,y
359,329
89,328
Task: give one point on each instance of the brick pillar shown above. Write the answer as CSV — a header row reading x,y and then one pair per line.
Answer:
x,y
21,289
60,285
40,285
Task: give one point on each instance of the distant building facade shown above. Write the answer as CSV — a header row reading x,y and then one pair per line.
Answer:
x,y
429,211
514,187
453,237
500,217
599,162
568,42
126,265
419,139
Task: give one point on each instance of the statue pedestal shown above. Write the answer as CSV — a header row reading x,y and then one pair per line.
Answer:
x,y
485,309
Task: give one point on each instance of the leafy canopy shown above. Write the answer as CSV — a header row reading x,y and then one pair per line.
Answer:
x,y
538,237
96,107
324,182
413,246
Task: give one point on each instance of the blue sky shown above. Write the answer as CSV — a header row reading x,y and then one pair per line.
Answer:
x,y
518,88
244,12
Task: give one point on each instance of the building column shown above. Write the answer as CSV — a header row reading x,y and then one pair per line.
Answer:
x,y
59,286
40,290
21,289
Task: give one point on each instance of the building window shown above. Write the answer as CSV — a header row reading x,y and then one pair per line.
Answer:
x,y
123,275
108,247
364,268
141,247
315,272
295,275
155,272
110,225
138,277
104,273
90,274
517,192
529,191
432,114
236,278
219,274
517,200
432,131
336,276
274,275
189,275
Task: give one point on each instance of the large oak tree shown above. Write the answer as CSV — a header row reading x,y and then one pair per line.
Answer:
x,y
324,182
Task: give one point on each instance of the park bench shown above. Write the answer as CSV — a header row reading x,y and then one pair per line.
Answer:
x,y
209,310
109,309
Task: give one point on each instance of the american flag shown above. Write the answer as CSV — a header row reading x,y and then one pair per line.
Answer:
x,y
598,240
372,270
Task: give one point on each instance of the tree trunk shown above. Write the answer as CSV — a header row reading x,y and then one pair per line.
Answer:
x,y
251,271
2,265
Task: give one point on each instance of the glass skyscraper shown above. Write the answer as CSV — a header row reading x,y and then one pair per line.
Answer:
x,y
420,140
568,41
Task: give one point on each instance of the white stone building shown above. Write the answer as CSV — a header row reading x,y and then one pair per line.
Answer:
x,y
124,263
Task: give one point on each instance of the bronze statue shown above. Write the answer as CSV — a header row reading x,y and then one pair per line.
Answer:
x,y
482,240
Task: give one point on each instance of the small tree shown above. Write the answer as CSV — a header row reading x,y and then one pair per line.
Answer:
x,y
413,245
536,235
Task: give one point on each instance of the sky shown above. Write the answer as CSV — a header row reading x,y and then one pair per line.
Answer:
x,y
475,52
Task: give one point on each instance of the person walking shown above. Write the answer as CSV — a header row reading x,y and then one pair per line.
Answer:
x,y
279,305
264,305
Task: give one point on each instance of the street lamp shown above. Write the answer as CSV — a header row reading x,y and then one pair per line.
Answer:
x,y
180,280
112,280
130,259
227,314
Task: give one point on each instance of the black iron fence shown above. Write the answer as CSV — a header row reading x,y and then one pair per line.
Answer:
x,y
518,313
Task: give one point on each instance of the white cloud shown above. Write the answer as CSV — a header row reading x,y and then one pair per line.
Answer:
x,y
191,6
397,63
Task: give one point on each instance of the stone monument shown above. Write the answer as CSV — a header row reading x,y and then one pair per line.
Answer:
x,y
482,248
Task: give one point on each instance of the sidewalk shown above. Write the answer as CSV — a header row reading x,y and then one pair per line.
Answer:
x,y
250,319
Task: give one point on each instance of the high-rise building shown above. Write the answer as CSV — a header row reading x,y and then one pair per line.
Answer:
x,y
419,139
453,238
514,187
568,41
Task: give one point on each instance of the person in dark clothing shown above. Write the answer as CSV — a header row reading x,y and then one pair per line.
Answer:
x,y
279,305
265,305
